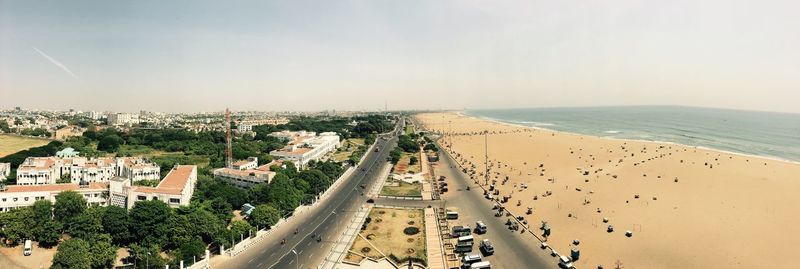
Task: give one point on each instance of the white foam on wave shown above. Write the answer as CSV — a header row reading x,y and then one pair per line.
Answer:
x,y
612,132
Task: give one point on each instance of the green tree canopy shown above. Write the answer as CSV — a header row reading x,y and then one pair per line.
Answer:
x,y
69,204
110,143
72,254
116,223
102,251
149,222
264,216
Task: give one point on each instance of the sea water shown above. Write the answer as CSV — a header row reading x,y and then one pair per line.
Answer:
x,y
768,134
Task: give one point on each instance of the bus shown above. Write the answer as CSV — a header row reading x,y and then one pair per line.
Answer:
x,y
452,215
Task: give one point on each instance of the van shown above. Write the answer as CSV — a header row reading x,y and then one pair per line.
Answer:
x,y
452,215
466,238
480,227
470,259
481,265
28,248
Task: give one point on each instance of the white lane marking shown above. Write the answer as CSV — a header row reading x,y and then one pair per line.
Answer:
x,y
290,262
251,260
260,264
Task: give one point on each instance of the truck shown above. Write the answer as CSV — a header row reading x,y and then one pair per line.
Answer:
x,y
486,247
28,248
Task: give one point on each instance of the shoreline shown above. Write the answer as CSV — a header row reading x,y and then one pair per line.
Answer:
x,y
517,125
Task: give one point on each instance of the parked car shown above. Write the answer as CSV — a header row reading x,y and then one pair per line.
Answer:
x,y
480,227
28,248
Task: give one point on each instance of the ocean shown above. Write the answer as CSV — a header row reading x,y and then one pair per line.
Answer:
x,y
767,134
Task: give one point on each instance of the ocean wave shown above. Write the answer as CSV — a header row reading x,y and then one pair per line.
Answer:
x,y
535,123
612,132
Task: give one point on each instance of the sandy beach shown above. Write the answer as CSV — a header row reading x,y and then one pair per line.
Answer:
x,y
686,207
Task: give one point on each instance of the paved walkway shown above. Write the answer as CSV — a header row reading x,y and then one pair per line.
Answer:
x,y
433,241
342,244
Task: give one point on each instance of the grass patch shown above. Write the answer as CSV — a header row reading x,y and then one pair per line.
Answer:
x,y
134,150
10,144
385,232
348,147
401,189
404,165
409,129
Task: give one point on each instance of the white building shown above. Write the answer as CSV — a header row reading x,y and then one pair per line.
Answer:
x,y
48,170
244,127
119,119
245,174
175,189
305,146
14,196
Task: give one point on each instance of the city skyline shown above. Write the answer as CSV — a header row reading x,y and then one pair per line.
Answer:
x,y
354,55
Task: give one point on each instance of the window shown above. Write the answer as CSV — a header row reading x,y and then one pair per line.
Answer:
x,y
141,197
26,198
4,199
174,201
155,198
15,199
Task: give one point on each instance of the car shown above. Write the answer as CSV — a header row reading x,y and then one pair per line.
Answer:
x,y
480,227
28,248
370,200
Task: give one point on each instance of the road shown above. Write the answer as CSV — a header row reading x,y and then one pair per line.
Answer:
x,y
325,219
512,249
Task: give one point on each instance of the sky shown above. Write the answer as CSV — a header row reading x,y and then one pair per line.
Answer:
x,y
185,56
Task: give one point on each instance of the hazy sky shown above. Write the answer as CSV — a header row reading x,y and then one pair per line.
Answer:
x,y
415,54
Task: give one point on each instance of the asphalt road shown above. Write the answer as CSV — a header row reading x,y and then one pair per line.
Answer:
x,y
512,249
320,220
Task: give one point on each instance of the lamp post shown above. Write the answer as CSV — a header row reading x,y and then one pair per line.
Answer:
x,y
147,260
296,258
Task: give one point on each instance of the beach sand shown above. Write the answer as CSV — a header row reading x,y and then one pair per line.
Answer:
x,y
696,208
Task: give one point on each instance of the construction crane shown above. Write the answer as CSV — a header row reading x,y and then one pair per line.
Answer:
x,y
229,147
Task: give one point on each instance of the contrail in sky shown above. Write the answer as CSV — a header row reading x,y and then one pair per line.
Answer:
x,y
57,63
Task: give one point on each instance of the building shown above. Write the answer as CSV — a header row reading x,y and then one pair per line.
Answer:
x,y
48,170
250,163
15,196
119,119
5,171
244,127
67,153
67,132
266,121
305,146
245,174
175,189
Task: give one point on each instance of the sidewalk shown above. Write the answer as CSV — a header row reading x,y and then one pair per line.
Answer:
x,y
342,244
433,241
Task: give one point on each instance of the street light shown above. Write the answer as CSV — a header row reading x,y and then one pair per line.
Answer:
x,y
296,258
147,260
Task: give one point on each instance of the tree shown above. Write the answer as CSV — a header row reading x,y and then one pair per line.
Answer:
x,y
413,160
65,178
283,194
147,254
317,180
49,234
395,155
116,223
240,227
69,204
205,224
72,254
193,248
85,226
102,251
110,143
431,147
264,216
149,222
17,224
